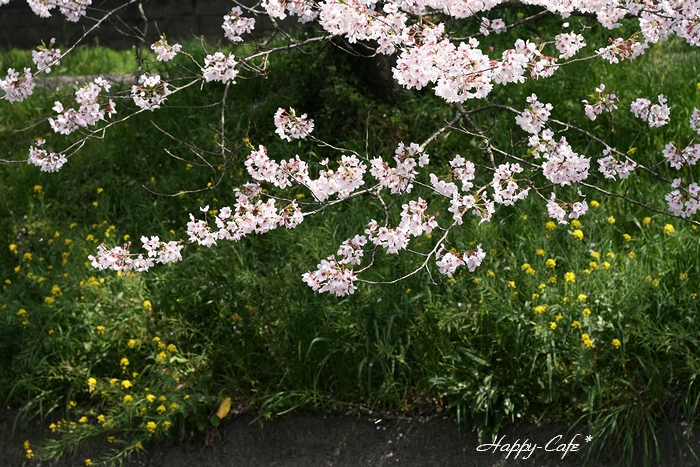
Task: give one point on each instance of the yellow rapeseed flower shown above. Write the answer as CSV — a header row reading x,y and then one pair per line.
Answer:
x,y
550,225
161,408
582,297
148,305
611,219
124,362
616,343
171,348
511,284
606,265
131,343
13,248
552,325
575,223
586,312
586,340
576,324
647,221
626,237
128,399
151,426
92,382
595,204
550,263
683,276
552,280
150,398
83,419
126,384
100,330
578,234
668,229
88,462
539,309
631,255
570,277
539,252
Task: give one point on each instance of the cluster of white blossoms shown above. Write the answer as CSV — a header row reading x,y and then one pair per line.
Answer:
x,y
449,262
559,211
17,87
45,57
535,116
332,274
121,259
165,52
91,111
604,102
611,166
46,161
400,178
683,202
505,188
219,67
73,10
235,25
150,93
568,44
656,115
343,181
290,127
248,215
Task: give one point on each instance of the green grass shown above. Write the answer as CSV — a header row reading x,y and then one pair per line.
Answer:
x,y
236,321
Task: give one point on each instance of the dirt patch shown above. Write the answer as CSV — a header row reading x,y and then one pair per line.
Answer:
x,y
307,440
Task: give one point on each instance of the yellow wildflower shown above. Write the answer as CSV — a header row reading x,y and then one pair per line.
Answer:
x,y
552,325
611,219
578,234
550,263
126,384
92,382
631,255
576,324
171,348
595,204
128,399
570,277
586,340
626,237
131,343
150,398
490,273
683,276
582,297
606,265
539,309
83,420
539,252
586,312
575,223
124,362
668,229
151,426
552,280
100,329
148,305
550,225
616,343
161,408
647,221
